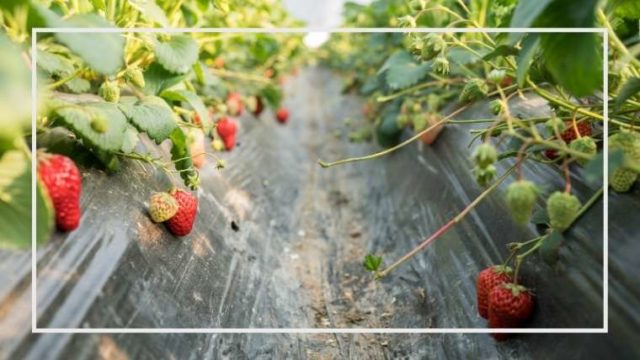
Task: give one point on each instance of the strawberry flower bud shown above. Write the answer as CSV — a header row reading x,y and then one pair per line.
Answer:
x,y
485,155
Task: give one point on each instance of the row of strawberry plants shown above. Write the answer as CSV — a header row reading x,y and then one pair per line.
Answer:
x,y
421,81
105,97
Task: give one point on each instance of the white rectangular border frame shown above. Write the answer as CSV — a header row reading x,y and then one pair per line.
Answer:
x,y
605,260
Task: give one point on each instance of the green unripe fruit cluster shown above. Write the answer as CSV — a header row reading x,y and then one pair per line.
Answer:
x,y
521,198
562,209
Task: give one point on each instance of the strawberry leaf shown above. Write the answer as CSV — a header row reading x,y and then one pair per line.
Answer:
x,y
527,11
79,118
150,115
530,45
401,71
178,54
630,88
103,52
151,11
181,157
131,139
78,85
54,64
193,100
157,79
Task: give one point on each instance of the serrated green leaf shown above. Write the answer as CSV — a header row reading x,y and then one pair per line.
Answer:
x,y
178,54
550,248
193,100
78,85
401,71
78,118
630,88
157,79
103,52
151,11
150,115
181,157
54,64
530,45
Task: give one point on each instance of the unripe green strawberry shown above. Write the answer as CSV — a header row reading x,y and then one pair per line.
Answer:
x,y
474,89
162,207
135,77
563,209
485,155
496,106
521,198
584,145
110,91
433,45
99,124
496,76
484,175
629,143
440,65
621,180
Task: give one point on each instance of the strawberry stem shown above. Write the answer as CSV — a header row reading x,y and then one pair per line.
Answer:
x,y
446,227
394,148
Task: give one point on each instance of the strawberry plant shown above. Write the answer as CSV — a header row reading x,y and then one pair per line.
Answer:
x,y
408,76
107,98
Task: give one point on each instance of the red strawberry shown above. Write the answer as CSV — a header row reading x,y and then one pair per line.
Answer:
x,y
569,134
234,104
63,182
227,129
510,305
282,115
182,222
486,281
584,128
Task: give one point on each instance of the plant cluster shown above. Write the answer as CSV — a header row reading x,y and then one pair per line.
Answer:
x,y
104,98
422,80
